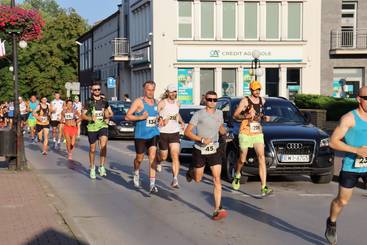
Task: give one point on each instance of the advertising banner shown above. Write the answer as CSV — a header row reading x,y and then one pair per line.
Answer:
x,y
185,84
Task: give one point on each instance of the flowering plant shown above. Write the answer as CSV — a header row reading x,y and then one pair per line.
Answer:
x,y
27,23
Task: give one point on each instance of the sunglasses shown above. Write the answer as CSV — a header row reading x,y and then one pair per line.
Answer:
x,y
211,99
363,97
97,89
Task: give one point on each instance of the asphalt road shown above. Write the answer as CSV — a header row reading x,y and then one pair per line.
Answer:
x,y
110,210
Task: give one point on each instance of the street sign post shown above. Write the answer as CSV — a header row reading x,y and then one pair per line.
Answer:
x,y
111,83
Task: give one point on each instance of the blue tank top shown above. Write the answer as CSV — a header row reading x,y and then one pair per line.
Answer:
x,y
357,137
33,107
147,129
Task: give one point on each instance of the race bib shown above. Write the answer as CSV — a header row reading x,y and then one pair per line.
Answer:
x,y
69,116
208,149
99,115
43,119
173,118
151,122
11,108
360,162
255,127
55,117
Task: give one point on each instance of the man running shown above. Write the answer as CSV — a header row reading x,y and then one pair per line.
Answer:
x,y
57,105
11,112
78,106
208,122
170,122
97,112
70,117
42,115
23,110
32,122
350,136
250,112
145,112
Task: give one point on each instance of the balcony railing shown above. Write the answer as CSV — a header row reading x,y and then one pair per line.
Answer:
x,y
121,49
349,41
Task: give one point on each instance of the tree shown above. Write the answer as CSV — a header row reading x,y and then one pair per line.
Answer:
x,y
47,64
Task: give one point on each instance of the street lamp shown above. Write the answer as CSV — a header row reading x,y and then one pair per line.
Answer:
x,y
255,64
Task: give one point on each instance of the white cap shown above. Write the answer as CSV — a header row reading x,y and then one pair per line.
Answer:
x,y
172,87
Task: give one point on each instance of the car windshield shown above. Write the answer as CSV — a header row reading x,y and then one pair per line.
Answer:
x,y
186,113
120,108
283,113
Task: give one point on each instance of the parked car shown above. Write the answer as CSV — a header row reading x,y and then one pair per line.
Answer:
x,y
118,127
293,146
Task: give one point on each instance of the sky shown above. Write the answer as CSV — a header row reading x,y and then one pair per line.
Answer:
x,y
91,10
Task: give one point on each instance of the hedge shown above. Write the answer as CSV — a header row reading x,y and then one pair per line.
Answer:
x,y
335,107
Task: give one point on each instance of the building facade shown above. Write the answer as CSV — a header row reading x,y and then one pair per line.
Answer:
x,y
343,47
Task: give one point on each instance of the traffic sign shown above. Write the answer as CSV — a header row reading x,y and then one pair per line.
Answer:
x,y
111,82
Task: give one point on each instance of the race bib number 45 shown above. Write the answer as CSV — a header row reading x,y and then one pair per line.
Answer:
x,y
255,127
361,162
209,149
151,122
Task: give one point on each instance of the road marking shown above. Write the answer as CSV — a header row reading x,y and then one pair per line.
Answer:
x,y
316,195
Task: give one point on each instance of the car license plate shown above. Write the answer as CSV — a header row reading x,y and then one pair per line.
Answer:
x,y
295,158
126,129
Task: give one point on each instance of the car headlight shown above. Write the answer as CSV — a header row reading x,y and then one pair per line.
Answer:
x,y
111,123
324,142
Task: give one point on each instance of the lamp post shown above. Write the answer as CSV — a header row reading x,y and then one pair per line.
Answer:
x,y
255,64
21,159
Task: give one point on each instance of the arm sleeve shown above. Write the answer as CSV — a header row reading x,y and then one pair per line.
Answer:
x,y
221,120
194,120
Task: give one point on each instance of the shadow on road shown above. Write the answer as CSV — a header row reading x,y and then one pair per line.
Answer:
x,y
259,215
51,236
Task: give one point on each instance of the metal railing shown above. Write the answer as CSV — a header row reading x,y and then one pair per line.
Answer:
x,y
349,39
120,47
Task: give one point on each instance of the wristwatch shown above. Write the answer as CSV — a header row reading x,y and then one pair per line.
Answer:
x,y
202,140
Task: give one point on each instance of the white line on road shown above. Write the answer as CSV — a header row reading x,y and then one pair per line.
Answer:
x,y
316,195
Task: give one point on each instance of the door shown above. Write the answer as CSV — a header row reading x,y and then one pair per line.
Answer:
x,y
272,81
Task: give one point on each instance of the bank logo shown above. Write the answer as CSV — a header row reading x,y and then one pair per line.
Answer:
x,y
214,53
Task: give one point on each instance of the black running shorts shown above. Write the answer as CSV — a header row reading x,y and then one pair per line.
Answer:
x,y
142,144
350,179
166,139
200,160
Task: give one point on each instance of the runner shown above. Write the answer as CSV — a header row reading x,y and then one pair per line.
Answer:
x,y
97,111
57,105
169,138
145,112
250,111
23,110
42,115
350,136
11,114
208,122
32,122
78,106
70,117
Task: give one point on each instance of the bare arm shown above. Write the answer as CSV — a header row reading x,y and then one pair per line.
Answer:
x,y
137,104
237,114
189,134
222,130
35,112
109,113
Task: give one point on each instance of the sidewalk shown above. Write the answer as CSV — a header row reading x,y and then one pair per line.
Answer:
x,y
27,213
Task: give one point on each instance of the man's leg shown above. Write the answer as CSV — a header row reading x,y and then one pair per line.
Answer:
x,y
61,129
103,153
260,152
152,151
175,152
198,174
45,139
340,202
216,171
236,183
92,153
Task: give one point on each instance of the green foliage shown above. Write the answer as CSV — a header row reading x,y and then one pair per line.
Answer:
x,y
335,107
47,64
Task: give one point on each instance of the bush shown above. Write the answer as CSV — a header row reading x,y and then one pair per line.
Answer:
x,y
335,107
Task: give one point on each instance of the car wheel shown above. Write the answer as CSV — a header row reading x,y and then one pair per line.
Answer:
x,y
229,166
322,179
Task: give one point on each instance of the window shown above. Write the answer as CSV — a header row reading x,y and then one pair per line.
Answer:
x,y
184,19
293,82
294,20
251,20
272,20
229,82
229,20
206,80
207,20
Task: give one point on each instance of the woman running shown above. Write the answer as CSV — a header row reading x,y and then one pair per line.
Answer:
x,y
42,115
70,118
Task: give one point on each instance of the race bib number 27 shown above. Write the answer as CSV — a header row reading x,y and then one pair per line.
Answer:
x,y
361,162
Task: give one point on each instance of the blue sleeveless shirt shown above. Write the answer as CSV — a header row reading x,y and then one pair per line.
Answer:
x,y
356,137
148,128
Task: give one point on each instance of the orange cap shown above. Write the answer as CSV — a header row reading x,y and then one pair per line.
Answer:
x,y
255,85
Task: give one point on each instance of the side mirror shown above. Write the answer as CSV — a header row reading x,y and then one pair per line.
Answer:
x,y
307,116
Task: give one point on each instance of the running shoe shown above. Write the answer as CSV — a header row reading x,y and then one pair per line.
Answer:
x,y
175,184
219,214
70,156
102,171
153,189
136,180
64,141
189,175
330,232
35,139
236,182
44,153
159,168
92,173
55,145
266,191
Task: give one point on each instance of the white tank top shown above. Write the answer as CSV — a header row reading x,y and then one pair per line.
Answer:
x,y
170,111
